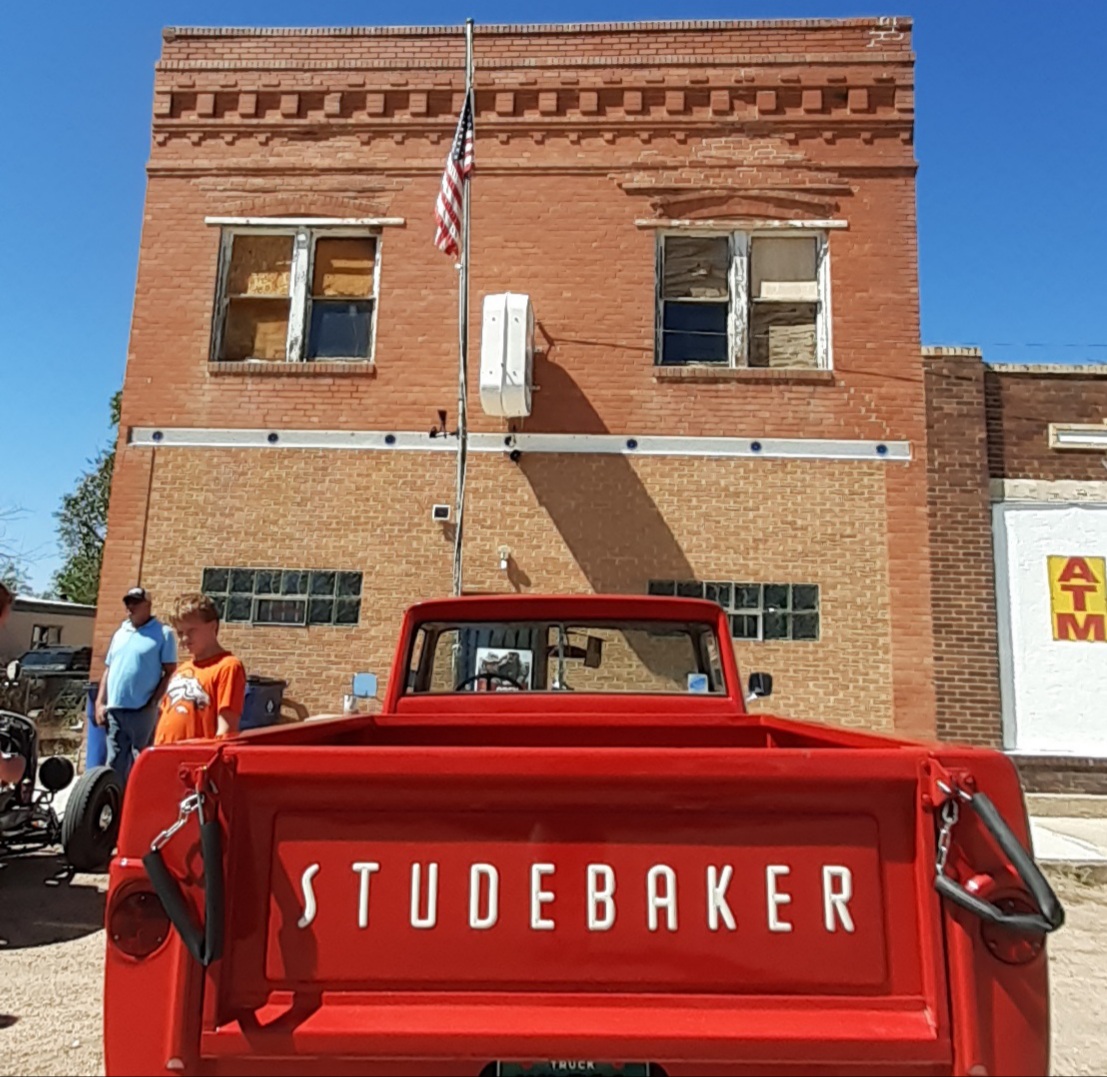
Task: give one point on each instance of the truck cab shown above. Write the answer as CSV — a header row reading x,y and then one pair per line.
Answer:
x,y
566,836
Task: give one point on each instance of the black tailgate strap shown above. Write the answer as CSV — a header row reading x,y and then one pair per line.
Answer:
x,y
1051,914
204,943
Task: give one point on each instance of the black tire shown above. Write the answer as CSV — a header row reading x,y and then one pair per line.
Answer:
x,y
90,825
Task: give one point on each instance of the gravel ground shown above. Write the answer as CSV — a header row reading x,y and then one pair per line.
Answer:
x,y
51,968
51,952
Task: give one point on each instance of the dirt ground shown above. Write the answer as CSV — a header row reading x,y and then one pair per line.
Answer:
x,y
51,952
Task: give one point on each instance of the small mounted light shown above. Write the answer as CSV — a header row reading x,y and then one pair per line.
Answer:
x,y
273,439
390,439
755,446
515,455
440,513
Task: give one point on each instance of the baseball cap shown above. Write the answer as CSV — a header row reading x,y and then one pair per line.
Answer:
x,y
136,594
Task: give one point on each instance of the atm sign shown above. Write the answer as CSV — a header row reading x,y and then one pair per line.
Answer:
x,y
1078,598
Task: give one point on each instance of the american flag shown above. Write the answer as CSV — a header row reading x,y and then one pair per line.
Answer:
x,y
447,210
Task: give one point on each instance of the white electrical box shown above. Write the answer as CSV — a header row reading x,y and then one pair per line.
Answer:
x,y
507,355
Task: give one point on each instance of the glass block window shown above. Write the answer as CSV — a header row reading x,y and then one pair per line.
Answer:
x,y
758,611
285,596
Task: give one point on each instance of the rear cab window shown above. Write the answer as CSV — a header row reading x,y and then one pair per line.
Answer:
x,y
592,657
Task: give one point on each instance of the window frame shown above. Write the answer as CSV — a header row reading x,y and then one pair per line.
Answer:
x,y
431,641
758,612
304,239
223,597
739,300
42,636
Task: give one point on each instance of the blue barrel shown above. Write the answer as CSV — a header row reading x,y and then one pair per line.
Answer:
x,y
96,736
262,707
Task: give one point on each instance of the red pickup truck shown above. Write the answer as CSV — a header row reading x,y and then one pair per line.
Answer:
x,y
564,837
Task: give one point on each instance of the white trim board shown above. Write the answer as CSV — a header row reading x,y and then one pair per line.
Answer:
x,y
307,222
600,444
745,224
632,445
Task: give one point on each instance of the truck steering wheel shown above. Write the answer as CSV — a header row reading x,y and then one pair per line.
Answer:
x,y
490,677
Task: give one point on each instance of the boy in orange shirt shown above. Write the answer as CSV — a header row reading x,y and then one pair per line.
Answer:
x,y
206,693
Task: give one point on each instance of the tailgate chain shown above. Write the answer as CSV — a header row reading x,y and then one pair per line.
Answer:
x,y
951,814
1050,915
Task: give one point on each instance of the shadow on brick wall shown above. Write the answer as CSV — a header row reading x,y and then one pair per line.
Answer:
x,y
599,505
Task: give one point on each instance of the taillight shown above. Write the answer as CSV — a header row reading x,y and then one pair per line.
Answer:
x,y
138,924
1012,947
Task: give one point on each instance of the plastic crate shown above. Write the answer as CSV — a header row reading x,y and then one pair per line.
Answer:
x,y
262,707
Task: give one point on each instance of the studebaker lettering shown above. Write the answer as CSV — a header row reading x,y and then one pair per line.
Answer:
x,y
662,892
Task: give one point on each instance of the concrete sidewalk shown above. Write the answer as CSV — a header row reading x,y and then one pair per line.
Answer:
x,y
1069,833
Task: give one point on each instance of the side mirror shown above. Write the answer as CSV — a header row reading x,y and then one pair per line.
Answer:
x,y
761,686
13,670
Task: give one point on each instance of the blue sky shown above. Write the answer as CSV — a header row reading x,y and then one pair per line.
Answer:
x,y
1011,136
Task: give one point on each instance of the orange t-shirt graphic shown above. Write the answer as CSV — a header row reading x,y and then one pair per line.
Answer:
x,y
197,694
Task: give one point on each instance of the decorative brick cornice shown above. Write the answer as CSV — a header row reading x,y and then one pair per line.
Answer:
x,y
643,82
830,107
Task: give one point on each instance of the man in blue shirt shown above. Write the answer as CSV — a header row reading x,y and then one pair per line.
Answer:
x,y
141,659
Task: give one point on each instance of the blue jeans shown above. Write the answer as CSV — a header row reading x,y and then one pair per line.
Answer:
x,y
129,732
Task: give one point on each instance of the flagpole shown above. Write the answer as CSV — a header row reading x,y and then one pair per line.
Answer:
x,y
463,338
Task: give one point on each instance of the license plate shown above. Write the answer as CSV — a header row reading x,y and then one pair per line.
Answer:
x,y
572,1069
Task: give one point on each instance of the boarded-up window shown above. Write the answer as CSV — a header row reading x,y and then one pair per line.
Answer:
x,y
783,334
743,300
784,269
784,310
342,298
258,298
695,299
296,294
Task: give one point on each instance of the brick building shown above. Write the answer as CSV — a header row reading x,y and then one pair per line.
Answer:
x,y
1018,495
684,203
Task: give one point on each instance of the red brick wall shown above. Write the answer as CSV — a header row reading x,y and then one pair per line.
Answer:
x,y
1023,401
1048,774
962,582
581,134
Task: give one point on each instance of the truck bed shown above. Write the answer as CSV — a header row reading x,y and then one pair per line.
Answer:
x,y
711,898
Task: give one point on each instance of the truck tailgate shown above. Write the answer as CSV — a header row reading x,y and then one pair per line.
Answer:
x,y
716,905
